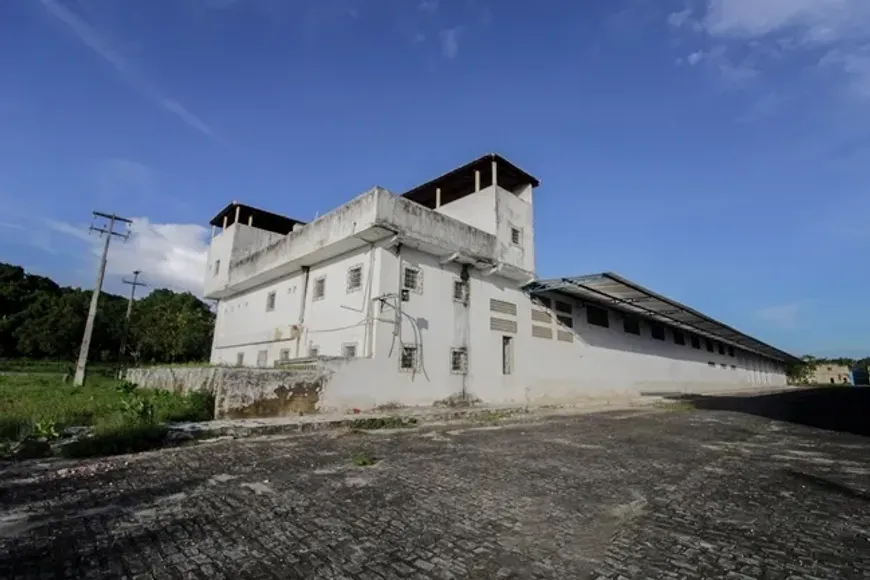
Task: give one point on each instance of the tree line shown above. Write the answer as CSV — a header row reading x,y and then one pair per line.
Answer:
x,y
39,319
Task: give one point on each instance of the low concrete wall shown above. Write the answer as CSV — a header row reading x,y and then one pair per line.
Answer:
x,y
242,392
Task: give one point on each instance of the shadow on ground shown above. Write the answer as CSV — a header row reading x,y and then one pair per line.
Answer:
x,y
844,409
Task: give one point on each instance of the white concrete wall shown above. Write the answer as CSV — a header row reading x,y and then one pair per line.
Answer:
x,y
598,363
514,212
244,325
476,209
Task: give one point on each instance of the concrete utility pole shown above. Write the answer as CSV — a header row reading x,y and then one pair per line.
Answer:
x,y
133,283
109,231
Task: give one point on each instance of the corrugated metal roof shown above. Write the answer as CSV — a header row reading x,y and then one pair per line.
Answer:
x,y
622,294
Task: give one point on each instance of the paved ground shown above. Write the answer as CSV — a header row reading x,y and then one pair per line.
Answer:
x,y
620,495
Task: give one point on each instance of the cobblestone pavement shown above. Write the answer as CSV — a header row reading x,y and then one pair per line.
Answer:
x,y
618,495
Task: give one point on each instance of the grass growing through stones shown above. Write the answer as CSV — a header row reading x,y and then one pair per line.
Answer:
x,y
371,423
123,417
362,459
677,406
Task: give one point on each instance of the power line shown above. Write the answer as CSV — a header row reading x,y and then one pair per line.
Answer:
x,y
133,284
109,231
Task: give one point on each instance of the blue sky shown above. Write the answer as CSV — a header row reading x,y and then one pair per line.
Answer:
x,y
717,151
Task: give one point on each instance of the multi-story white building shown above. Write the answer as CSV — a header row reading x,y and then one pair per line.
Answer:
x,y
430,295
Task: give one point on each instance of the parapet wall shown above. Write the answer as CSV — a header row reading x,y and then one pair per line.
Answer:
x,y
242,392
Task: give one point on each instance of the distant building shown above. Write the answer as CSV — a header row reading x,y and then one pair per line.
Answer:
x,y
831,374
434,294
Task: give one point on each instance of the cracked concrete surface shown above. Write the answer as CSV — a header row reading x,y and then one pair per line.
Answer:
x,y
661,494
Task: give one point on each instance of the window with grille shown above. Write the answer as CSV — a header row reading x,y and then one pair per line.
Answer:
x,y
657,331
319,288
270,302
408,361
459,360
631,325
354,278
679,338
284,354
597,316
348,350
516,236
460,291
412,279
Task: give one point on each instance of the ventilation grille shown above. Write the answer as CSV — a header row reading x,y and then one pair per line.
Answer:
x,y
541,316
503,325
542,332
565,336
502,307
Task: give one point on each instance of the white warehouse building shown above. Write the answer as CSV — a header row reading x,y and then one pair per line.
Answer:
x,y
432,295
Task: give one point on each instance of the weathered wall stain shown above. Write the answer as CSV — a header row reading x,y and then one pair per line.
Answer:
x,y
242,392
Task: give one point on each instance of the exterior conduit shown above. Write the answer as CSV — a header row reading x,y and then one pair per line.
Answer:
x,y
307,270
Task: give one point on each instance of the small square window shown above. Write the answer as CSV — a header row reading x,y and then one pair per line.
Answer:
x,y
711,363
733,367
679,338
460,291
284,354
516,236
566,321
459,361
723,365
657,331
313,351
631,325
354,279
597,316
412,279
696,341
240,359
270,302
319,288
408,360
217,267
348,350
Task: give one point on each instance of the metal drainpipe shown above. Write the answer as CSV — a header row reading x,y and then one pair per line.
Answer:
x,y
465,276
397,331
307,271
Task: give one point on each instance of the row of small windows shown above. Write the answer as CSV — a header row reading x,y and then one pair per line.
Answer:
x,y
597,316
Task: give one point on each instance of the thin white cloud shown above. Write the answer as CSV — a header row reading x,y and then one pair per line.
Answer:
x,y
450,43
784,316
835,34
695,57
92,39
428,5
169,255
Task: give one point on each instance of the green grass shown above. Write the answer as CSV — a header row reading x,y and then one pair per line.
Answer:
x,y
121,415
54,367
362,459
